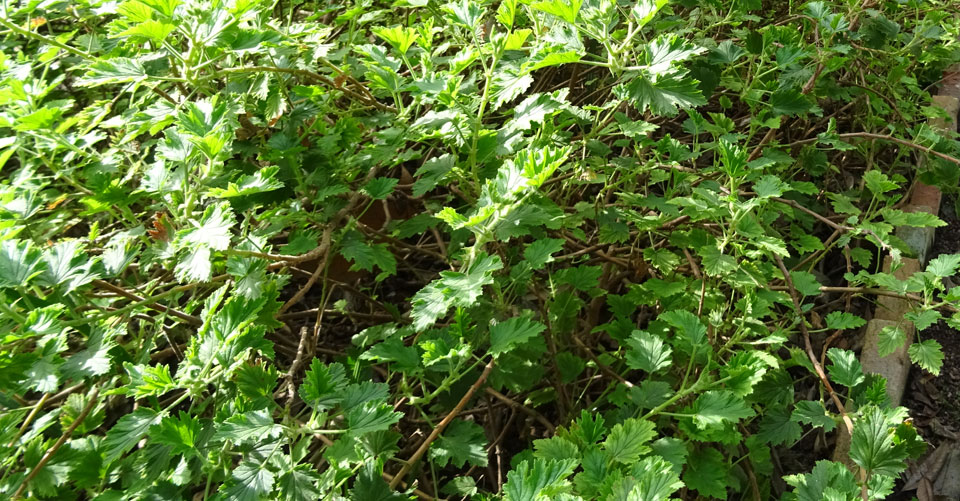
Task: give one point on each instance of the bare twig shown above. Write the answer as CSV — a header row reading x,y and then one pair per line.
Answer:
x,y
809,347
59,443
441,425
190,319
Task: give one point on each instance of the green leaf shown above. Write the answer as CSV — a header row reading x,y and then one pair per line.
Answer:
x,y
707,473
262,181
365,255
250,426
806,283
180,433
151,29
532,479
890,339
844,320
453,288
461,442
541,251
114,71
928,354
512,332
845,369
371,416
944,265
249,481
300,484
213,229
628,440
715,262
508,84
828,478
566,10
878,183
689,325
778,428
644,10
923,319
666,51
323,385
662,96
872,445
194,265
399,37
789,102
768,186
431,173
19,262
380,188
127,432
555,448
813,413
718,406
647,352
654,480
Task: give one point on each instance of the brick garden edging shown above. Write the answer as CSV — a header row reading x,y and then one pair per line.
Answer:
x,y
895,368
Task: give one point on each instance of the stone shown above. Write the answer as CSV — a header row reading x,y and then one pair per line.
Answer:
x,y
919,239
951,105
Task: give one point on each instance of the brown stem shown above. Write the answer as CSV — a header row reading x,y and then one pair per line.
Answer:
x,y
809,347
56,446
441,425
190,319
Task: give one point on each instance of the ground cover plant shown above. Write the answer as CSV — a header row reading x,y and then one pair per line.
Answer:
x,y
557,249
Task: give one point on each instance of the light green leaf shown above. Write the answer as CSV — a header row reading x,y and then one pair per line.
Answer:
x,y
249,482
512,332
252,426
213,229
114,71
872,444
371,416
628,440
323,385
928,354
662,96
566,10
194,265
813,413
531,479
19,262
127,432
644,10
944,265
845,369
262,181
689,325
889,339
718,406
844,320
647,352
806,283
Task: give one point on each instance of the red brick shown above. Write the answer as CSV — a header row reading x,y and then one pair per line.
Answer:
x,y
926,195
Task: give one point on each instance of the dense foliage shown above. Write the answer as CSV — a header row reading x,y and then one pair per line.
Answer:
x,y
557,249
